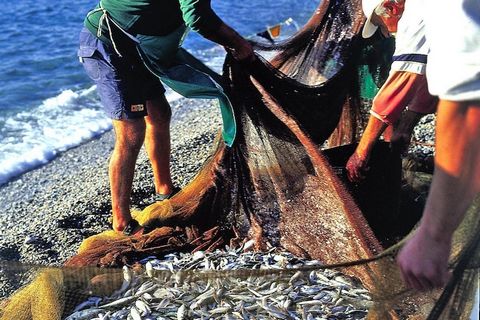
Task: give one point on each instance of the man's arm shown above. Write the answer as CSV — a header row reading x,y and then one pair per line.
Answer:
x,y
199,16
423,261
241,49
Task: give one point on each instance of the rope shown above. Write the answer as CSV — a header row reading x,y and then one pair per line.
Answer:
x,y
104,17
425,144
390,252
199,274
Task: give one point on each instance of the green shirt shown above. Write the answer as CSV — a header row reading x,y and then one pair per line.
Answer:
x,y
156,17
159,27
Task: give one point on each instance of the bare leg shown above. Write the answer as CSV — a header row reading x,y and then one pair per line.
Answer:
x,y
129,136
357,164
157,143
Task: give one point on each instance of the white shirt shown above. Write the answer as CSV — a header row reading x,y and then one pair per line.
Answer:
x,y
411,47
453,33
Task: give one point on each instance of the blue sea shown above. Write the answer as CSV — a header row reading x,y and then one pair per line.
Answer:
x,y
48,104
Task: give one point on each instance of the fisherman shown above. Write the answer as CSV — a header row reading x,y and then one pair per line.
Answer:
x,y
125,47
453,73
406,85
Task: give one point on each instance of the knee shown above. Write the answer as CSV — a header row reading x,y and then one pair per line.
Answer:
x,y
129,136
159,112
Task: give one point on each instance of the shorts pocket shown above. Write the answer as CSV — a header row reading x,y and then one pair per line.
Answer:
x,y
89,61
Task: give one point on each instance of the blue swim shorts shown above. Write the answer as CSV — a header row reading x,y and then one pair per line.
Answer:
x,y
123,83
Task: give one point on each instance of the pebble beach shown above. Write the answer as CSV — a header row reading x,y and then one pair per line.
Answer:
x,y
47,212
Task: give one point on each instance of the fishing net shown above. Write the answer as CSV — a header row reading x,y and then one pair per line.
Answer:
x,y
276,187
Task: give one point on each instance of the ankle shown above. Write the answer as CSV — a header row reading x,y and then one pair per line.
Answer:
x,y
120,221
164,188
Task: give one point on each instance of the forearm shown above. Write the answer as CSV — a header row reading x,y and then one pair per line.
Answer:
x,y
373,131
240,48
199,16
456,179
224,36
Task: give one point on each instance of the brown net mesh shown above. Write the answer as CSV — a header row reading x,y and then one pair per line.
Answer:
x,y
277,187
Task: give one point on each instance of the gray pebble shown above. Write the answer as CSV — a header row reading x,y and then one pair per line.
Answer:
x,y
30,239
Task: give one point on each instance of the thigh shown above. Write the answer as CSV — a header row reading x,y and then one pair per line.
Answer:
x,y
144,85
129,133
123,83
159,111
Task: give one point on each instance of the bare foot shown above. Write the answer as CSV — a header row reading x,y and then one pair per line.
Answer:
x,y
131,228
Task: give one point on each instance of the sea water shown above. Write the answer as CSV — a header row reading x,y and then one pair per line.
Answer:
x,y
48,104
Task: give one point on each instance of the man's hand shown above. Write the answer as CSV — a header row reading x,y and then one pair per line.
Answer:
x,y
240,48
242,51
423,261
356,167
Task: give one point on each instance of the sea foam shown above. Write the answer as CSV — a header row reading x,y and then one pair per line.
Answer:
x,y
33,138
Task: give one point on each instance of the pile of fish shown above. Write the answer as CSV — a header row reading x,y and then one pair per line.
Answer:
x,y
230,284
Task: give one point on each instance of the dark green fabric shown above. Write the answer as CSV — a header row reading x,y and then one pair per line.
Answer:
x,y
160,49
185,74
374,64
199,16
154,17
368,88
